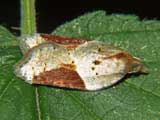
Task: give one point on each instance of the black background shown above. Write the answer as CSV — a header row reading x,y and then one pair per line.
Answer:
x,y
51,13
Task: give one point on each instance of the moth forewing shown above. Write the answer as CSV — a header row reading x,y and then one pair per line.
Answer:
x,y
93,66
28,42
42,58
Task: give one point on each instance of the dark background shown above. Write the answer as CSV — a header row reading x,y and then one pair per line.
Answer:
x,y
51,13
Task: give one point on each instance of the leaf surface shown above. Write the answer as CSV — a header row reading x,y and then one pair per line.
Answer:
x,y
135,98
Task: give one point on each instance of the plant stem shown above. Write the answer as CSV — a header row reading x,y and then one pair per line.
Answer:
x,y
28,17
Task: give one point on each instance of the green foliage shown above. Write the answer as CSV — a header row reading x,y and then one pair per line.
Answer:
x,y
136,98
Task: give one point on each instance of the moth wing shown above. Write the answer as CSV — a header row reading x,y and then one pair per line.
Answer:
x,y
101,65
65,41
49,64
92,65
28,42
41,58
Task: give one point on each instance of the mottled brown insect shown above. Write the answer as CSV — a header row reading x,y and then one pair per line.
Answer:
x,y
73,62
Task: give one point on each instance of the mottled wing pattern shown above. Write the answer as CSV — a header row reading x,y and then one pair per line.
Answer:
x,y
28,42
101,65
74,63
49,64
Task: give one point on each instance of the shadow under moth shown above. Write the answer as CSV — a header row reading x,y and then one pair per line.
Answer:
x,y
73,62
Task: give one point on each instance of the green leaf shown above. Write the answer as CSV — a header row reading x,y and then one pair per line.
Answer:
x,y
17,99
136,98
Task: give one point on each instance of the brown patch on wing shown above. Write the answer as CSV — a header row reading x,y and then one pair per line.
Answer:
x,y
60,77
68,66
67,42
132,64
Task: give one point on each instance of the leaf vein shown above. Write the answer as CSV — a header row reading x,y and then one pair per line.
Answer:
x,y
5,89
91,113
145,90
38,103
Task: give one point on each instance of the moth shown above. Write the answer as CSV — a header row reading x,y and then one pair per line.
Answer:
x,y
73,62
